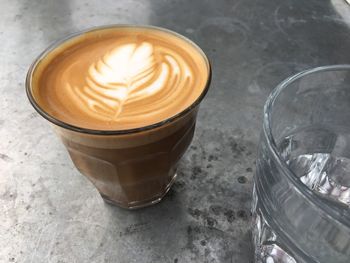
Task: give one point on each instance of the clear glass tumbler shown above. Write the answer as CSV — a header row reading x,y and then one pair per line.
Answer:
x,y
301,198
130,168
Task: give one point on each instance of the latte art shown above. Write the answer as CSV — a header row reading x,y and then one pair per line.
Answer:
x,y
128,75
121,78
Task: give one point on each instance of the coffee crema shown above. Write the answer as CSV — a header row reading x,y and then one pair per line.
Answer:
x,y
120,78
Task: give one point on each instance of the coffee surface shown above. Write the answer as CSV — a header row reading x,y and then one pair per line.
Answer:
x,y
120,78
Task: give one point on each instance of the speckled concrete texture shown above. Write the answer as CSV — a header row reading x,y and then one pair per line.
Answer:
x,y
51,213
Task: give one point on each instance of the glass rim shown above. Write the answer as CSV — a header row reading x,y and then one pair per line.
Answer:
x,y
344,219
58,122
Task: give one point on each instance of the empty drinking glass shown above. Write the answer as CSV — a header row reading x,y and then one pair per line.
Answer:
x,y
301,198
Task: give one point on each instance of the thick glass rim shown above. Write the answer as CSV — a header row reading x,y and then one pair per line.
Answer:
x,y
336,214
56,121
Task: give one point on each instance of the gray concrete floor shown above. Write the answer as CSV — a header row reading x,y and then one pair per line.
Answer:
x,y
51,213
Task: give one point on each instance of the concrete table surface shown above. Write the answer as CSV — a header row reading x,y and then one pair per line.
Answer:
x,y
51,213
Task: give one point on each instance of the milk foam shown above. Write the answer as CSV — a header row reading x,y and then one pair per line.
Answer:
x,y
128,81
129,74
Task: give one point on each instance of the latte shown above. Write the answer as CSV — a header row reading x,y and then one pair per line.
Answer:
x,y
124,102
120,78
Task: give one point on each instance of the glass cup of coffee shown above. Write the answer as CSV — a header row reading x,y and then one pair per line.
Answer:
x,y
124,100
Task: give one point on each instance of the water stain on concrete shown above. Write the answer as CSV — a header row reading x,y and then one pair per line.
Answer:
x,y
5,157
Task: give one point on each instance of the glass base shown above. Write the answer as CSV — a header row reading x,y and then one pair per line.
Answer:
x,y
141,204
268,245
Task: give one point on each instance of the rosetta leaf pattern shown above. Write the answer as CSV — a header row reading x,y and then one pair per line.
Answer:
x,y
118,76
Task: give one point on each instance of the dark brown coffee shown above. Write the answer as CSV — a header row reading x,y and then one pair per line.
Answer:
x,y
132,170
